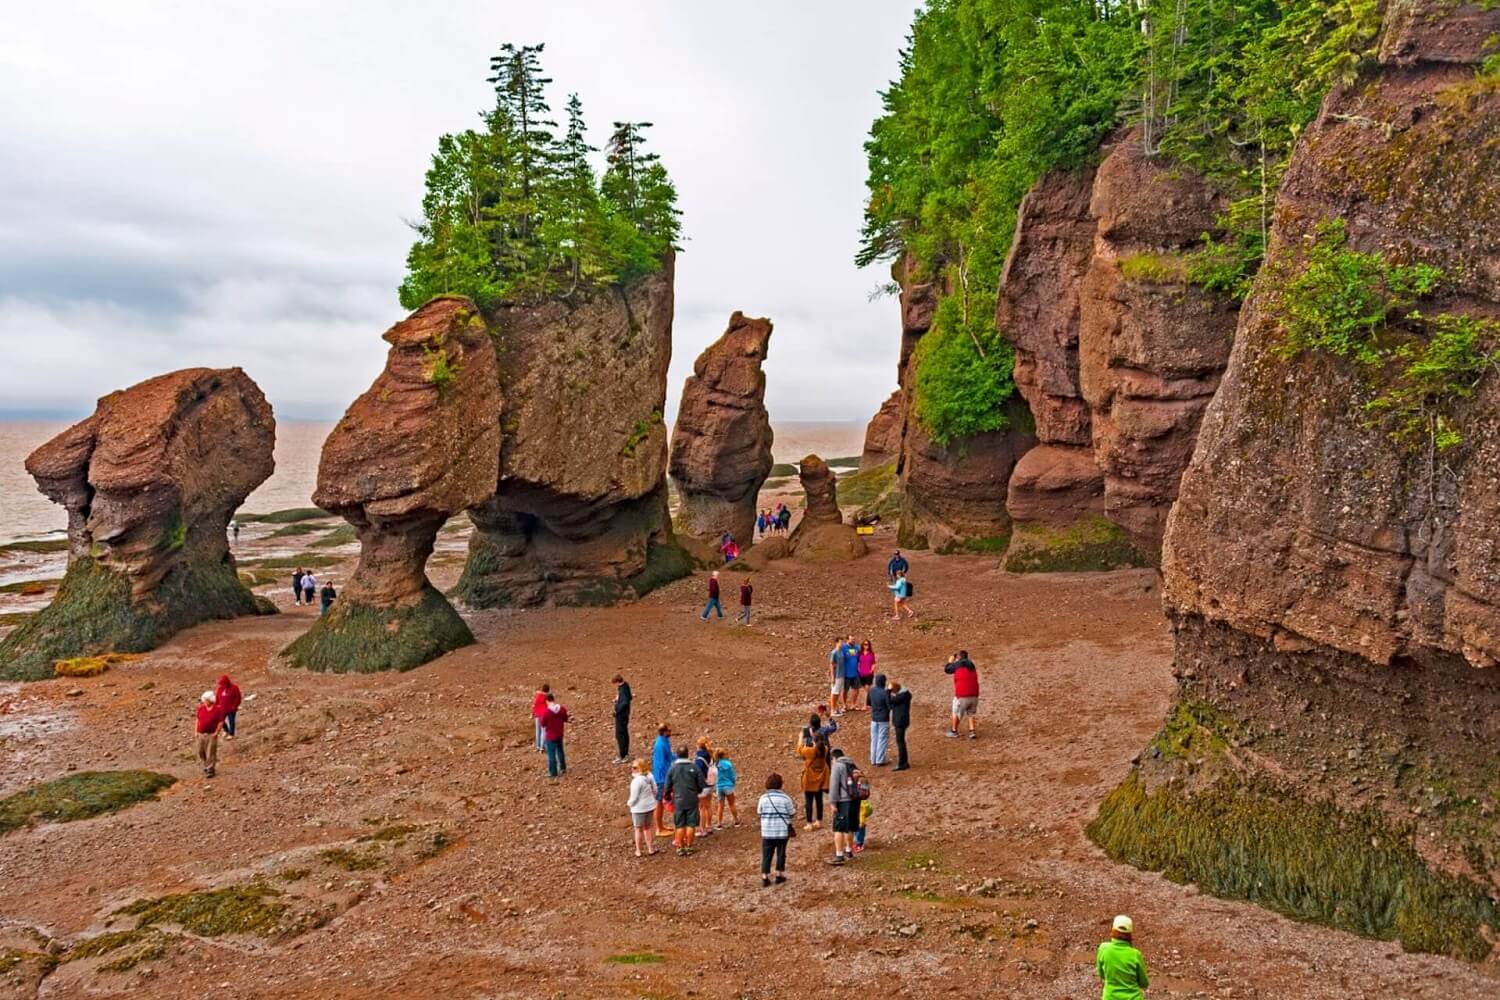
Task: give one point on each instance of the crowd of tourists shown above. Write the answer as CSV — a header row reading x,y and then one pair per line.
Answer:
x,y
305,589
773,520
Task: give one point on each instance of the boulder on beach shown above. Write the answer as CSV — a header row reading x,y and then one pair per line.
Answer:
x,y
721,441
421,444
821,535
149,481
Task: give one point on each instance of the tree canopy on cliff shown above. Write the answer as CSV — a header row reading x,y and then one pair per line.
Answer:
x,y
514,213
993,93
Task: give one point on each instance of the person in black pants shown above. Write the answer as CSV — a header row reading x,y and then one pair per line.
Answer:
x,y
622,719
900,702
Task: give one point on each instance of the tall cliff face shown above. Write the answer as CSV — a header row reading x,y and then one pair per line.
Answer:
x,y
1334,589
721,441
579,514
150,481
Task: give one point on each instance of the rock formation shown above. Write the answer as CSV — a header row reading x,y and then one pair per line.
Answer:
x,y
1151,346
821,535
883,434
421,444
150,482
721,442
579,514
1333,588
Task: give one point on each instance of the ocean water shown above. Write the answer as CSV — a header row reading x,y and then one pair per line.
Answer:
x,y
25,513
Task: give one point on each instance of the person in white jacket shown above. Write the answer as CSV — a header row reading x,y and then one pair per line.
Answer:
x,y
642,806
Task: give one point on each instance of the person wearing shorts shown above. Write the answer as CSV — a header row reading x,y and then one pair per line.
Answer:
x,y
684,785
849,659
641,805
845,807
965,692
836,678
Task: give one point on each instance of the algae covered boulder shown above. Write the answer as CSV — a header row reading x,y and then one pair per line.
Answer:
x,y
149,481
579,514
422,444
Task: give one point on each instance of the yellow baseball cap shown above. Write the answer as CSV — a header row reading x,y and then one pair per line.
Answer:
x,y
1123,924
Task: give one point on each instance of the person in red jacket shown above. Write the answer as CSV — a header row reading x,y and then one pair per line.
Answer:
x,y
553,721
227,700
209,719
965,692
538,711
713,596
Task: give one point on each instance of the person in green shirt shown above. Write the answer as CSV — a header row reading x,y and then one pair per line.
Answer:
x,y
1120,966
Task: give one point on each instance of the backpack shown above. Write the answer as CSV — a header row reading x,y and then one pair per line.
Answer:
x,y
911,589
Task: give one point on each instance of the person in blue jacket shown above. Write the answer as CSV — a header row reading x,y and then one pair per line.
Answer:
x,y
661,763
896,565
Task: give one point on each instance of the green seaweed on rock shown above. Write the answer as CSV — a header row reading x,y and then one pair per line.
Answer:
x,y
359,638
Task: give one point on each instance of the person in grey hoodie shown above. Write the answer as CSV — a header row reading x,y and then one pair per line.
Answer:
x,y
845,807
880,721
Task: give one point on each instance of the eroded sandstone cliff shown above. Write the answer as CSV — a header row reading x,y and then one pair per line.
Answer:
x,y
150,481
1334,585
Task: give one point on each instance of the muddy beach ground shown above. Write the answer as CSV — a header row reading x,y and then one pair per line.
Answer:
x,y
477,877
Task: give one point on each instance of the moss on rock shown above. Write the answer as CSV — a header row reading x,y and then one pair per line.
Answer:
x,y
237,909
1190,814
80,796
93,612
1091,544
665,563
358,638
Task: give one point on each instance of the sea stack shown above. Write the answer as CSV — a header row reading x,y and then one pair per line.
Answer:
x,y
721,442
150,482
821,535
421,444
579,515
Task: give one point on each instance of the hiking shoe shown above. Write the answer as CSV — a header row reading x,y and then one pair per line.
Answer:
x,y
837,859
765,883
953,734
973,735
780,879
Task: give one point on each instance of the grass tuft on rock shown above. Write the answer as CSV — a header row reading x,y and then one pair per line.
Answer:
x,y
80,796
1089,545
93,613
237,909
358,638
351,860
636,958
981,545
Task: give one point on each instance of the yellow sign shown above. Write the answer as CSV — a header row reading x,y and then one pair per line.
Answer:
x,y
865,529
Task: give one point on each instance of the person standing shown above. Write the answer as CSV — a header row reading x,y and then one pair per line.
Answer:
x,y
836,678
309,587
849,654
778,817
713,596
539,712
746,593
703,759
1119,965
900,700
227,699
815,770
867,661
206,726
965,692
236,528
325,597
661,763
845,805
297,586
880,721
553,721
896,565
684,786
725,780
622,719
900,589
642,804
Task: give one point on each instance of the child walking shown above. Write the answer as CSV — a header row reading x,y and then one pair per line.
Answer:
x,y
724,787
864,819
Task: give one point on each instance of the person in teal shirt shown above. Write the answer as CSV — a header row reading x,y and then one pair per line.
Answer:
x,y
1120,966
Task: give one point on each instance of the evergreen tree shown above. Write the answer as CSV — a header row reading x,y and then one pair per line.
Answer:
x,y
641,198
577,225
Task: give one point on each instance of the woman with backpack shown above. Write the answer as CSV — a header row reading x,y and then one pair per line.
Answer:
x,y
901,591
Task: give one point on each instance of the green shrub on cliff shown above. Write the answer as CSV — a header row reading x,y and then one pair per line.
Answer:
x,y
513,213
963,375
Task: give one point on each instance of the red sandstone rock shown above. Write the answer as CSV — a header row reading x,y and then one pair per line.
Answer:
x,y
956,493
1151,347
721,442
820,485
821,535
150,482
1055,484
883,434
582,497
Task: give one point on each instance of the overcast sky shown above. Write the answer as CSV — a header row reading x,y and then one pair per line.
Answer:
x,y
226,183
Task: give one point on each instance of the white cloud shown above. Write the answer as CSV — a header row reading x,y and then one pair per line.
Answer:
x,y
225,184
